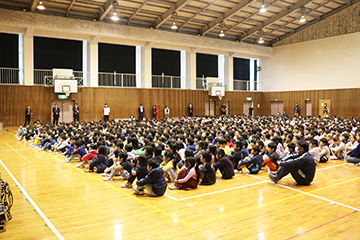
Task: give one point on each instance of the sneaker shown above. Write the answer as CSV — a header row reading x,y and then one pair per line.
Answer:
x,y
272,176
105,175
88,170
139,192
49,151
358,164
238,171
55,152
68,160
173,187
40,149
126,185
108,179
81,165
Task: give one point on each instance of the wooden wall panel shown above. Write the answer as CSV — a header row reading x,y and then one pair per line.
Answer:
x,y
125,101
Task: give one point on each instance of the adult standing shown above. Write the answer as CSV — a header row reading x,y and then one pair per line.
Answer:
x,y
76,111
27,115
141,111
302,167
223,109
251,111
325,110
154,112
56,114
190,110
297,110
106,111
167,112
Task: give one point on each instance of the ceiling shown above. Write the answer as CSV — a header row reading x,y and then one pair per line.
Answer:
x,y
240,20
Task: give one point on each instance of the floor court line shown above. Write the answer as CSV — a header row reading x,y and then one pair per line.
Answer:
x,y
129,195
225,190
52,227
322,225
18,152
16,149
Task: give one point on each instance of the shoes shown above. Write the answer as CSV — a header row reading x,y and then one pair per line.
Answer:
x,y
173,187
358,164
55,152
81,165
238,171
49,151
272,176
107,170
88,170
139,192
40,149
126,185
68,160
108,179
105,175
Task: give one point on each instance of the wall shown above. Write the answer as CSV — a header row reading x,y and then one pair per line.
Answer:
x,y
330,63
122,101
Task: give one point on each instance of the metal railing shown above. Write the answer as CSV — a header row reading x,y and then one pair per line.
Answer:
x,y
40,74
245,85
11,75
44,77
118,79
159,81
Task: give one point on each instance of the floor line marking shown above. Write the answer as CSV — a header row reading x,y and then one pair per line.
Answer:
x,y
225,190
16,149
52,227
129,195
270,203
322,225
18,153
171,197
320,169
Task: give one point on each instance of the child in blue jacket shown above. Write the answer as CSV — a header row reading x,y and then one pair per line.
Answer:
x,y
78,152
254,164
154,182
101,162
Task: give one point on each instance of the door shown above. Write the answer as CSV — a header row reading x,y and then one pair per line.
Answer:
x,y
276,107
66,110
321,105
247,105
308,108
210,108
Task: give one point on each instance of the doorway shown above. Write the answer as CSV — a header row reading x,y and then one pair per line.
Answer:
x,y
210,108
321,106
308,108
277,107
66,110
246,107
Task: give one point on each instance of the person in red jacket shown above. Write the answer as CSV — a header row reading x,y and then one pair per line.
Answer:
x,y
88,157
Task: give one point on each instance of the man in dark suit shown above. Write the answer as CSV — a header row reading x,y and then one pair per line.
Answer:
x,y
190,110
141,111
223,109
56,114
27,115
76,111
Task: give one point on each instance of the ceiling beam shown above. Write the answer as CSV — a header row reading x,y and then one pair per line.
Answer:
x,y
315,21
69,8
198,13
274,18
179,5
34,5
138,10
108,6
228,14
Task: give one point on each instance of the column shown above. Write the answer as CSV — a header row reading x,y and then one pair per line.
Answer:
x,y
229,72
191,70
21,59
85,64
221,69
252,78
28,59
138,67
93,63
183,69
146,66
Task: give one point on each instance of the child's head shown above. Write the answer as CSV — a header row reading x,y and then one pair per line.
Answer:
x,y
152,164
260,144
157,150
220,153
337,140
190,162
72,140
148,150
237,145
313,143
205,157
142,160
122,157
168,156
352,138
78,143
102,150
200,145
222,142
189,153
189,141
255,150
323,142
272,147
291,146
128,148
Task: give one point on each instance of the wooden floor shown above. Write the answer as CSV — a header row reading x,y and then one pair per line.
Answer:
x,y
78,205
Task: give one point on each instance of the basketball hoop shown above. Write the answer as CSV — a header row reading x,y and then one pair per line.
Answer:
x,y
218,94
67,93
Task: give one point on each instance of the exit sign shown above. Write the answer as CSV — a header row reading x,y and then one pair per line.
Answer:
x,y
62,96
249,98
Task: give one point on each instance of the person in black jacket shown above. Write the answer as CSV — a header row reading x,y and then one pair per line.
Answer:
x,y
154,182
138,172
27,115
56,114
209,177
224,165
236,156
301,167
154,112
190,110
76,113
141,111
101,162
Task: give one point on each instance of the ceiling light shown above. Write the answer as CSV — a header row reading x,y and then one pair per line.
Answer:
x,y
263,9
302,17
41,6
261,40
114,17
173,26
221,34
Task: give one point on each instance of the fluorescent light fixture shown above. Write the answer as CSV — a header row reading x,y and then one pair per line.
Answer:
x,y
41,6
114,17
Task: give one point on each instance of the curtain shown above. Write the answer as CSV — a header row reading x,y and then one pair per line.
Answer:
x,y
165,61
241,69
119,58
206,65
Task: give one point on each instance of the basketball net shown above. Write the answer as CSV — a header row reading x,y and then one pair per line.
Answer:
x,y
67,93
219,95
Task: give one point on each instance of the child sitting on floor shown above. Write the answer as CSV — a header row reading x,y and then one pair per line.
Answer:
x,y
154,182
101,162
272,158
169,165
324,150
188,177
139,172
209,177
254,164
78,152
121,166
89,156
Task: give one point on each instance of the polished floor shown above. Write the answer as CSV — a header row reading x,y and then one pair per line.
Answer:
x,y
55,200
